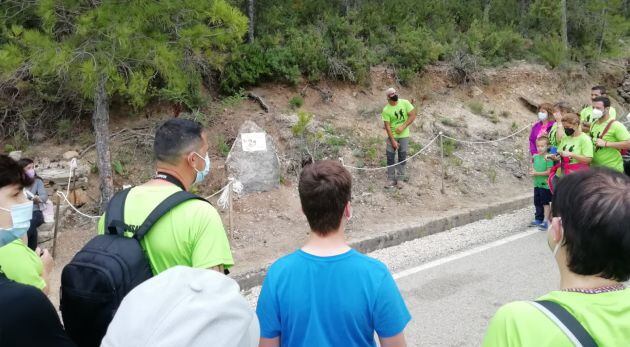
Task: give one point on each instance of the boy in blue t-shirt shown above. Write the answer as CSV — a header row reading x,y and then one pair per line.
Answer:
x,y
328,294
541,166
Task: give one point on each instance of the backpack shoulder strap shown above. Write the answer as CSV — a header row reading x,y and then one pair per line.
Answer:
x,y
601,136
161,209
115,213
566,322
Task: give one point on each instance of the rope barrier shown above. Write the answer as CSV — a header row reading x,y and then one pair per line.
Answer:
x,y
386,167
74,208
489,141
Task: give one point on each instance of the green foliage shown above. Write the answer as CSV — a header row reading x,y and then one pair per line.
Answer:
x,y
296,102
223,146
65,129
551,50
449,146
118,167
476,107
299,128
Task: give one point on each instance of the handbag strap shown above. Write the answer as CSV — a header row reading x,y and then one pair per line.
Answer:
x,y
566,322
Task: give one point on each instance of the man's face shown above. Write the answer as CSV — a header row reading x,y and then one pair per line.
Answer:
x,y
599,105
595,93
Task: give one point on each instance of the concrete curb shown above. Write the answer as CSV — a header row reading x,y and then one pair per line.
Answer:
x,y
395,237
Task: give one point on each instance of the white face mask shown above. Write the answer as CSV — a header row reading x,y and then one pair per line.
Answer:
x,y
21,215
201,175
597,114
559,244
542,115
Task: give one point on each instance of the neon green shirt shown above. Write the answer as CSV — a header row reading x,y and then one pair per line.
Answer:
x,y
397,116
586,115
609,157
553,135
20,264
541,165
580,145
605,316
191,234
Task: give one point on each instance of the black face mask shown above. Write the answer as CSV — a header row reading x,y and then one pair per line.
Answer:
x,y
393,98
569,131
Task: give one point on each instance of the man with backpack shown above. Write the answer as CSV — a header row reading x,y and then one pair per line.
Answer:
x,y
610,137
164,226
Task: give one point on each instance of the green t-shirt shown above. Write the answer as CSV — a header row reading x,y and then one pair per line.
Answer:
x,y
396,116
191,234
541,165
553,135
609,157
20,264
605,316
587,113
580,145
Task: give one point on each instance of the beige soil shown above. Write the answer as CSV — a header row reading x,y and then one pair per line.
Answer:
x,y
268,225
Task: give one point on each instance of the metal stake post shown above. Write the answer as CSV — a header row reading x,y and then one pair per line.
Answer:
x,y
443,191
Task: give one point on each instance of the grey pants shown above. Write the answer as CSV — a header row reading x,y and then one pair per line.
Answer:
x,y
397,172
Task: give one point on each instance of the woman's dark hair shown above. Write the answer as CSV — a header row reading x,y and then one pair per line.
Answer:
x,y
24,162
12,173
595,209
325,188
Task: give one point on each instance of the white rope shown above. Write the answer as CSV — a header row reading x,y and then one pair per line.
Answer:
x,y
385,167
489,141
74,208
217,192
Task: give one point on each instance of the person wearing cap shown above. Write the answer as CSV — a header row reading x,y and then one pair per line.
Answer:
x,y
397,116
326,293
184,306
590,245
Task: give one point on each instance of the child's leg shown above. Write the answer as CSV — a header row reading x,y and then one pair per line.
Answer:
x,y
547,209
539,216
547,204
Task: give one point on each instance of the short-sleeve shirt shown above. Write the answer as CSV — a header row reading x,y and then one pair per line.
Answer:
x,y
580,145
606,156
339,300
191,234
20,264
28,318
541,165
553,135
586,115
397,115
605,316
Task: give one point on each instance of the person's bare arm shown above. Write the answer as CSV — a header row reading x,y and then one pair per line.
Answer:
x,y
264,342
580,158
410,119
392,140
616,145
394,341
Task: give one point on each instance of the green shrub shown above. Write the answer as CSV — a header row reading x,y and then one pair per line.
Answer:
x,y
476,107
304,119
551,50
223,146
296,102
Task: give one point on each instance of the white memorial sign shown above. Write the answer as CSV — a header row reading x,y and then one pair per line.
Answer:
x,y
254,142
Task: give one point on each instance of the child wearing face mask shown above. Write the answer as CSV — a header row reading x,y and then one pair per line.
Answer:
x,y
542,127
17,261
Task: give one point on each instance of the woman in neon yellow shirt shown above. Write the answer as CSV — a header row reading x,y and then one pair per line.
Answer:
x,y
18,262
591,246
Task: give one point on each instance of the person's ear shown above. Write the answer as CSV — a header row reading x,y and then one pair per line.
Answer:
x,y
556,229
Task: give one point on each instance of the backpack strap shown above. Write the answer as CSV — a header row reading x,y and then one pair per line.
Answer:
x,y
601,136
161,209
115,214
566,322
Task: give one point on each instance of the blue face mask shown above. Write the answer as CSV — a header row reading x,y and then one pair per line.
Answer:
x,y
21,216
201,175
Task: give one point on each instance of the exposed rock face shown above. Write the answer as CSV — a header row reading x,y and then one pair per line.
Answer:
x,y
253,160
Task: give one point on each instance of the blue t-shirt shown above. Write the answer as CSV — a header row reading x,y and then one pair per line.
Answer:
x,y
330,301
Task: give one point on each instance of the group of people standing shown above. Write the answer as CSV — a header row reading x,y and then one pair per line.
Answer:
x,y
323,294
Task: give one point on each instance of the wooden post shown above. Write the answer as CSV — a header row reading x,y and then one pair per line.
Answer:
x,y
57,201
443,191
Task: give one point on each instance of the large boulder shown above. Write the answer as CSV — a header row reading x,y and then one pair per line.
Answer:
x,y
253,159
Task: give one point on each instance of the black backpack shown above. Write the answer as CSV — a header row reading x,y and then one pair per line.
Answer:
x,y
108,267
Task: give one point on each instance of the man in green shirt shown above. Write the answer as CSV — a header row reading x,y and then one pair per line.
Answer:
x,y
609,136
586,115
589,242
397,116
191,234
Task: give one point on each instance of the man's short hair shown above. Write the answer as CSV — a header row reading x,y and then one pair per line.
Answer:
x,y
12,173
602,89
176,137
603,99
595,209
325,188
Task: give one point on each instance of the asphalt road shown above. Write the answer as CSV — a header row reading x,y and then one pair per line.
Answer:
x,y
452,299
